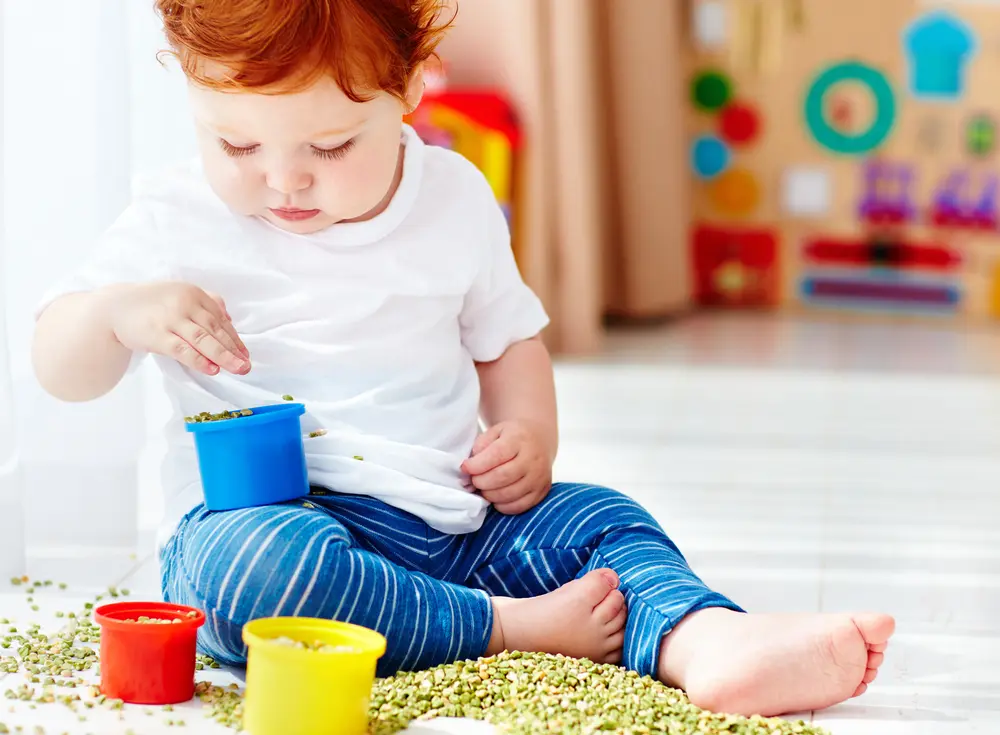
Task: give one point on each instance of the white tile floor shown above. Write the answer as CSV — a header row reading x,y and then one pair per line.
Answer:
x,y
801,465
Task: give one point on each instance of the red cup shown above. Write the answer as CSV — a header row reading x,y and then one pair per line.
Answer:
x,y
148,663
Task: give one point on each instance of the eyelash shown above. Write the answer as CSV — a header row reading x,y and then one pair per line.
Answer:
x,y
327,154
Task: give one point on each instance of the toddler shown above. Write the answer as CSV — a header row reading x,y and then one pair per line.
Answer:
x,y
319,248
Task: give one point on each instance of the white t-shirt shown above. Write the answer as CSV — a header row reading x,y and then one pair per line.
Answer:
x,y
375,326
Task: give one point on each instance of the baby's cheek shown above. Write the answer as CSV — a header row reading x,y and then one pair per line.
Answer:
x,y
352,192
238,191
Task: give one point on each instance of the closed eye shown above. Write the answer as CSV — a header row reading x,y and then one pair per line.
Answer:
x,y
332,154
236,151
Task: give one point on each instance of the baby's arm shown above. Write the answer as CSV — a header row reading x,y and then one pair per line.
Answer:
x,y
511,463
124,302
75,353
520,385
84,342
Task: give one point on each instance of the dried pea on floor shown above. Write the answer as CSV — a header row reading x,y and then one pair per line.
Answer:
x,y
519,693
535,694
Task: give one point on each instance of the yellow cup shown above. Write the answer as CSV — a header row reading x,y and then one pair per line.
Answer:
x,y
295,691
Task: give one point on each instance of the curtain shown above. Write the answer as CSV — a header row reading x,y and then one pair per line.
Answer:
x,y
11,488
601,208
11,491
67,170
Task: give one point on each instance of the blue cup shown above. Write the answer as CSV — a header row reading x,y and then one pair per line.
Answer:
x,y
252,460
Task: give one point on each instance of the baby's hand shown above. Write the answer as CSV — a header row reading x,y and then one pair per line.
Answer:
x,y
178,320
511,465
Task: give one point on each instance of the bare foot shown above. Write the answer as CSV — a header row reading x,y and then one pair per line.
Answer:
x,y
773,665
584,618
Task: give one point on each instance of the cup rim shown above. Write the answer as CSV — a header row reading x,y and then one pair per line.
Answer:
x,y
261,415
103,616
260,633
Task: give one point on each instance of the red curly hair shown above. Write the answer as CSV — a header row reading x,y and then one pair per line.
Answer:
x,y
280,46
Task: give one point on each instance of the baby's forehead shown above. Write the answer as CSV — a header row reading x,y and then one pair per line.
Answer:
x,y
320,111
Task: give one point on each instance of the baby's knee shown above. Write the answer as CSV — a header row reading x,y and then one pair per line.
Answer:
x,y
266,559
597,496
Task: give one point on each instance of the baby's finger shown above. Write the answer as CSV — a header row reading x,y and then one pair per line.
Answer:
x,y
176,347
215,306
508,493
224,333
202,338
500,451
521,505
220,302
500,477
486,438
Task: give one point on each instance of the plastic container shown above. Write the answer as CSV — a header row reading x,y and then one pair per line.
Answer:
x,y
252,460
292,691
148,663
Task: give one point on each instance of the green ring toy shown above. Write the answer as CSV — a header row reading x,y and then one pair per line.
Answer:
x,y
885,103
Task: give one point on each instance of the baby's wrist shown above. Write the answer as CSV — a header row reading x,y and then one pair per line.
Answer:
x,y
107,305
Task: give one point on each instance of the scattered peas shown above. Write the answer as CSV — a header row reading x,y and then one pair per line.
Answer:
x,y
287,397
359,458
522,693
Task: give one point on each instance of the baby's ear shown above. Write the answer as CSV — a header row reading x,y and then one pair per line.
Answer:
x,y
415,89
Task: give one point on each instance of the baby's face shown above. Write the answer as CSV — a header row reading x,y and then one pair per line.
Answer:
x,y
302,161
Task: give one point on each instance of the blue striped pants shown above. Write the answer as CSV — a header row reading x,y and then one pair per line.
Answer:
x,y
353,558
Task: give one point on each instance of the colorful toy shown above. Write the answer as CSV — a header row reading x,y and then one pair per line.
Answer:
x,y
827,134
709,156
478,124
953,206
938,46
873,180
734,267
981,135
252,460
298,691
881,251
148,664
887,193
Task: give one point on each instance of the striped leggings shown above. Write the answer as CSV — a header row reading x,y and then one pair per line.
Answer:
x,y
355,559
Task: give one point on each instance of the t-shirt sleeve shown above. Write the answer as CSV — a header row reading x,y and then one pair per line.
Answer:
x,y
499,310
127,252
